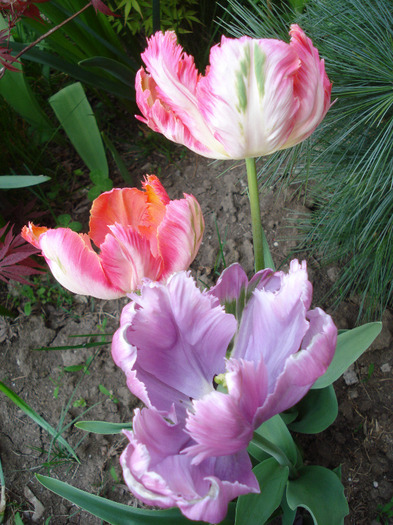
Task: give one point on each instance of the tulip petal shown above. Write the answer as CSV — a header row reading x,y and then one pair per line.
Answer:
x,y
75,264
302,368
181,341
251,111
312,88
125,206
158,474
180,234
127,258
274,322
168,100
218,427
32,233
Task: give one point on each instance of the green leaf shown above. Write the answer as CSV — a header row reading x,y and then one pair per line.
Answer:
x,y
318,490
36,418
103,427
116,513
127,177
75,71
115,68
8,182
350,346
276,431
77,118
257,508
316,411
17,93
288,515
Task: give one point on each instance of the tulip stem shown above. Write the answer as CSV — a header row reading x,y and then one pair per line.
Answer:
x,y
262,255
276,452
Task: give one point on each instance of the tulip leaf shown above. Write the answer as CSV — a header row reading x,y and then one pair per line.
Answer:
x,y
288,514
115,68
350,346
275,431
316,411
257,508
103,427
8,182
77,118
117,513
318,490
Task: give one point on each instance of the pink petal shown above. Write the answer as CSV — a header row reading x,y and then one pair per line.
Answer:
x,y
247,95
181,341
158,474
247,385
75,264
168,99
302,368
125,206
127,259
180,234
274,321
218,426
312,88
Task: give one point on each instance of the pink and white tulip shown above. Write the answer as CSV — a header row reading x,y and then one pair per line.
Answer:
x,y
267,359
139,234
257,96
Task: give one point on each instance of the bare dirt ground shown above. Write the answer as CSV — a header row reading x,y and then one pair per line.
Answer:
x,y
361,439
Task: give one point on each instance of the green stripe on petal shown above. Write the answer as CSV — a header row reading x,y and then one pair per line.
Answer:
x,y
242,80
259,68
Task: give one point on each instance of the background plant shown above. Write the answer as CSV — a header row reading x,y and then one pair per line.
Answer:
x,y
346,167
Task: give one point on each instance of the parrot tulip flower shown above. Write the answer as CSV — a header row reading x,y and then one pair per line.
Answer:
x,y
139,234
209,379
257,96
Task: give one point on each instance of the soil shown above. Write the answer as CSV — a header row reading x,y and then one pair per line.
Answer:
x,y
361,439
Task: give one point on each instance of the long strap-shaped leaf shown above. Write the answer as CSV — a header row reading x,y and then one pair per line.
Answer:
x,y
77,118
75,71
36,418
118,514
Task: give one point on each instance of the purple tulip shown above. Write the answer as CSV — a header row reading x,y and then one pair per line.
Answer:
x,y
176,344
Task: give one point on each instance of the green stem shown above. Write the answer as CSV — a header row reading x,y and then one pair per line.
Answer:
x,y
276,452
262,256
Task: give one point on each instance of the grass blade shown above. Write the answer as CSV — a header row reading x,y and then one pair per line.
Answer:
x,y
72,347
37,418
2,495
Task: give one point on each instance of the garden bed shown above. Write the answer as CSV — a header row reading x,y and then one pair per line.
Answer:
x,y
361,439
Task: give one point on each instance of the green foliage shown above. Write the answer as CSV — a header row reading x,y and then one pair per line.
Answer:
x,y
350,346
77,119
319,491
20,403
116,513
44,291
385,512
103,427
8,182
315,412
86,38
347,164
137,15
257,508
